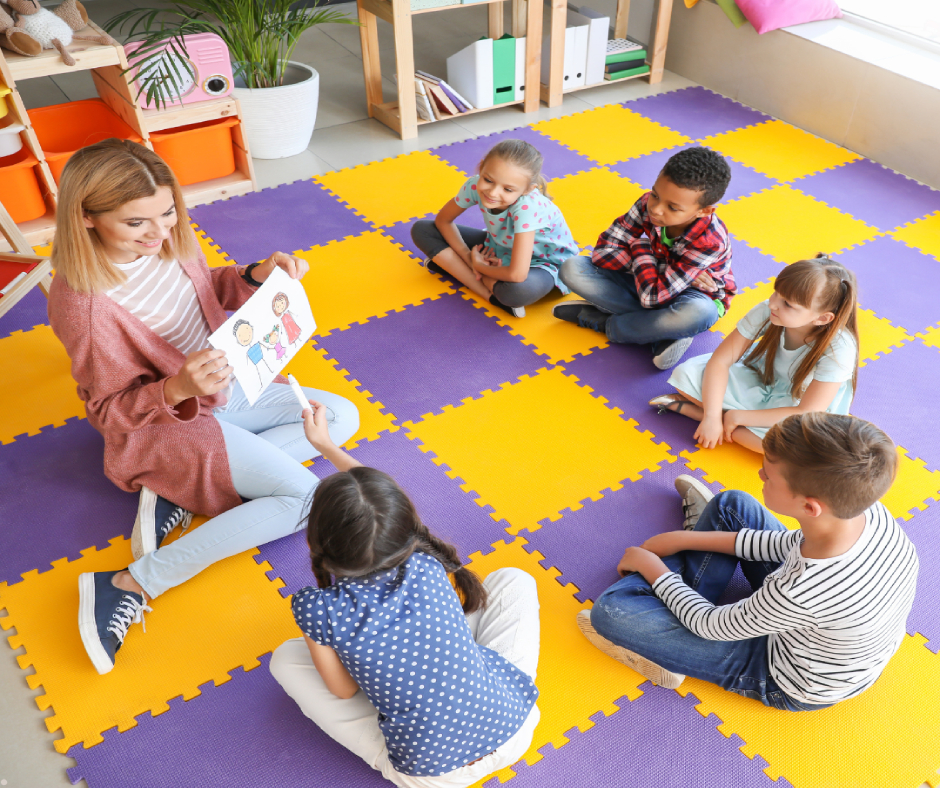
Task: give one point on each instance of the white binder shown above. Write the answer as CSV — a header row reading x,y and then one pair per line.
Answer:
x,y
520,69
575,61
598,28
470,71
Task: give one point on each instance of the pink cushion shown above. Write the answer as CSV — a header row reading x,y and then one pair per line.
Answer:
x,y
767,15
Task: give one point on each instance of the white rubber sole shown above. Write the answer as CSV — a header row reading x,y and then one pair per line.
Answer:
x,y
652,671
672,354
144,537
88,627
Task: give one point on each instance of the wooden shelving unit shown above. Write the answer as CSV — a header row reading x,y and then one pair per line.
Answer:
x,y
107,65
552,92
402,115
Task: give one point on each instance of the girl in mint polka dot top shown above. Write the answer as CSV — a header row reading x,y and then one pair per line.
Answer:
x,y
386,619
514,261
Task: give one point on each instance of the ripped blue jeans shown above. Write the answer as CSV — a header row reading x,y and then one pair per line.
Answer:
x,y
631,615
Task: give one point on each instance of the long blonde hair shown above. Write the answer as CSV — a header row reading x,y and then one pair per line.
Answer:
x,y
822,285
523,155
98,179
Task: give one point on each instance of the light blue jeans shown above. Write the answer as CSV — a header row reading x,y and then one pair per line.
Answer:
x,y
689,313
266,445
631,615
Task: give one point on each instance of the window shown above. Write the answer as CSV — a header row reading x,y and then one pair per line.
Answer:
x,y
919,18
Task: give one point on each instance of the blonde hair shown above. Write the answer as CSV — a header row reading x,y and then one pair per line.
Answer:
x,y
822,285
99,179
843,461
523,155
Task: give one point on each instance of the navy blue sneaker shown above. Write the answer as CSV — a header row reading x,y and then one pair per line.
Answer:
x,y
570,310
515,311
156,517
104,614
433,267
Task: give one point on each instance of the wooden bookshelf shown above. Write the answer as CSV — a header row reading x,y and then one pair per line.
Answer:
x,y
402,115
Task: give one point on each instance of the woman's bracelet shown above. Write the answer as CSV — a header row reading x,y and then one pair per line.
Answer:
x,y
246,275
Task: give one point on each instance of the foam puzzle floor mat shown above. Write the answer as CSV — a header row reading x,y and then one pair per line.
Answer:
x,y
526,442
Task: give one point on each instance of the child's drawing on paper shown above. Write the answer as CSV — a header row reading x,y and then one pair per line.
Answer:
x,y
291,329
258,343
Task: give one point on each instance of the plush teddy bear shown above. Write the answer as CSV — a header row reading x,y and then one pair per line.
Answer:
x,y
28,28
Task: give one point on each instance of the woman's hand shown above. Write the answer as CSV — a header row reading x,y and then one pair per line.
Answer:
x,y
295,267
709,432
316,427
204,373
730,423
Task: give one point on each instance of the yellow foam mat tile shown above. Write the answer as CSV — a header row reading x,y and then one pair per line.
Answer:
x,y
36,387
215,257
742,303
924,234
610,134
43,251
876,740
780,150
547,424
382,276
586,215
877,335
914,486
311,368
575,680
789,225
931,337
734,468
420,182
190,639
557,339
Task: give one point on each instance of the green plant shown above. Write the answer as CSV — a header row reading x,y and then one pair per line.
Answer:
x,y
260,35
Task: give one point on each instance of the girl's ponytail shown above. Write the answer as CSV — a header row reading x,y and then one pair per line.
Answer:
x,y
471,590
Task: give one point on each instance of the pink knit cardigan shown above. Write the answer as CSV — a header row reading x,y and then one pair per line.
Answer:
x,y
120,366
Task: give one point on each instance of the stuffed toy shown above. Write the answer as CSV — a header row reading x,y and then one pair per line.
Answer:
x,y
28,28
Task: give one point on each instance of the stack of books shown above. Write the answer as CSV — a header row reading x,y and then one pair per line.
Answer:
x,y
625,58
436,99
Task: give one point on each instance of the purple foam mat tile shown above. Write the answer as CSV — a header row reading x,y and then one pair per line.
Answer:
x,y
603,529
923,529
914,369
644,170
696,112
448,511
401,232
872,193
246,731
28,312
63,465
291,217
447,333
750,266
557,160
626,377
912,308
657,740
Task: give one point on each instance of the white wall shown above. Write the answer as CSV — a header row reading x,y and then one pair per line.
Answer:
x,y
881,115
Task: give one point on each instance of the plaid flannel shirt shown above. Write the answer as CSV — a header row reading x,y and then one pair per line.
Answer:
x,y
632,243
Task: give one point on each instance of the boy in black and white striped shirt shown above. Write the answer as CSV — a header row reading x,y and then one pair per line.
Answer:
x,y
830,600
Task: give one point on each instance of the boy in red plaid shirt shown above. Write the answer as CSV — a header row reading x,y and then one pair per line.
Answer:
x,y
662,272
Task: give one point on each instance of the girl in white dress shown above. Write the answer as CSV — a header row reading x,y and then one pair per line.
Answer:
x,y
805,359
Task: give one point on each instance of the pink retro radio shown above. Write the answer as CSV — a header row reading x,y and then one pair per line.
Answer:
x,y
205,74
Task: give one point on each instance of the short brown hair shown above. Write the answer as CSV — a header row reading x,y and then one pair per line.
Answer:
x,y
101,178
843,461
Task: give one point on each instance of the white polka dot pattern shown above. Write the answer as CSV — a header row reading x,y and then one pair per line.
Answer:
x,y
443,700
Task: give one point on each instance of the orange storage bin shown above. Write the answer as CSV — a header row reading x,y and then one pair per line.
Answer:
x,y
64,128
199,152
20,192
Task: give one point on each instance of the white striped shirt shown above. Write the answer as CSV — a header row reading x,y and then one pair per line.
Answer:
x,y
160,294
833,623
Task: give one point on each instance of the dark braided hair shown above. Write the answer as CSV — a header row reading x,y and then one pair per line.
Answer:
x,y
361,522
701,170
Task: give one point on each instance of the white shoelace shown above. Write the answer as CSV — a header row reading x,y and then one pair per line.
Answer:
x,y
179,516
129,611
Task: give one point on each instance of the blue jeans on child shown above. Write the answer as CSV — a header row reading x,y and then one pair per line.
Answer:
x,y
632,616
266,445
689,313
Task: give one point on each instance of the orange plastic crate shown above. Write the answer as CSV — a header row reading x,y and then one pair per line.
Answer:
x,y
64,128
20,192
199,152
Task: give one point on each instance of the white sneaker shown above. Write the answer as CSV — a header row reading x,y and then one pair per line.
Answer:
x,y
655,673
695,496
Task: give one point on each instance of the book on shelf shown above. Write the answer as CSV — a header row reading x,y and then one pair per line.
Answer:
x,y
627,72
439,99
623,48
425,112
624,65
461,104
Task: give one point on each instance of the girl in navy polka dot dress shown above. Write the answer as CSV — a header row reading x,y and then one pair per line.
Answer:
x,y
428,690
513,262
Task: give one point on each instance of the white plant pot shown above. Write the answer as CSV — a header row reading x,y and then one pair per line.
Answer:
x,y
279,121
